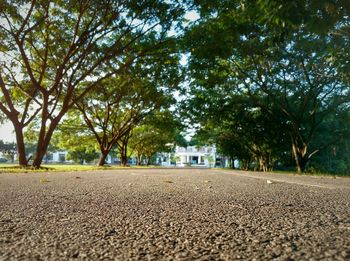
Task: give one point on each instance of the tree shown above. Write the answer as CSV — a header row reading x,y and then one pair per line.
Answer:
x,y
290,71
80,146
118,104
49,48
175,158
30,137
334,158
82,154
238,127
122,145
302,81
116,107
160,132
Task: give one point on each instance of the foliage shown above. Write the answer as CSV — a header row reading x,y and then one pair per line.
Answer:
x,y
80,146
82,155
268,81
159,133
117,104
175,158
335,158
273,83
210,160
48,48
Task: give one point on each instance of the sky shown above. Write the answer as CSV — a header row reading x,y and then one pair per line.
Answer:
x,y
192,16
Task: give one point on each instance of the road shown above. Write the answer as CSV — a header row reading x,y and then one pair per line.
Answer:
x,y
173,214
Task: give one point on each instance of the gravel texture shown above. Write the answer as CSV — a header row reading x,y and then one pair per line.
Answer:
x,y
173,214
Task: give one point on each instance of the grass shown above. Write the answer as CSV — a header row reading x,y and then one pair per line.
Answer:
x,y
312,173
290,172
12,168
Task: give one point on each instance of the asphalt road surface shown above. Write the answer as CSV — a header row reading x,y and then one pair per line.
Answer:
x,y
173,214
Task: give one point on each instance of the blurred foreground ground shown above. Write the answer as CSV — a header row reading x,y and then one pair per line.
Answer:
x,y
173,214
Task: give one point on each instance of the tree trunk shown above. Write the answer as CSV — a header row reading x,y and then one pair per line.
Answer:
x,y
263,164
139,158
232,162
124,160
22,160
300,157
38,158
123,149
123,154
149,160
102,160
301,164
43,144
245,164
44,139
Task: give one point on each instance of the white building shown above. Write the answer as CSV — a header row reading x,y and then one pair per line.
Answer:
x,y
57,157
205,156
195,156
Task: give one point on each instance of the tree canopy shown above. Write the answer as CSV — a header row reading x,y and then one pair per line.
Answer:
x,y
49,48
266,81
273,82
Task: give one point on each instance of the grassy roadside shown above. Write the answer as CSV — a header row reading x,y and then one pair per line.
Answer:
x,y
12,168
289,172
317,174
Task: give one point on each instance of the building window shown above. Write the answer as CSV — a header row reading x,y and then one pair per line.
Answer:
x,y
49,156
61,157
194,160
